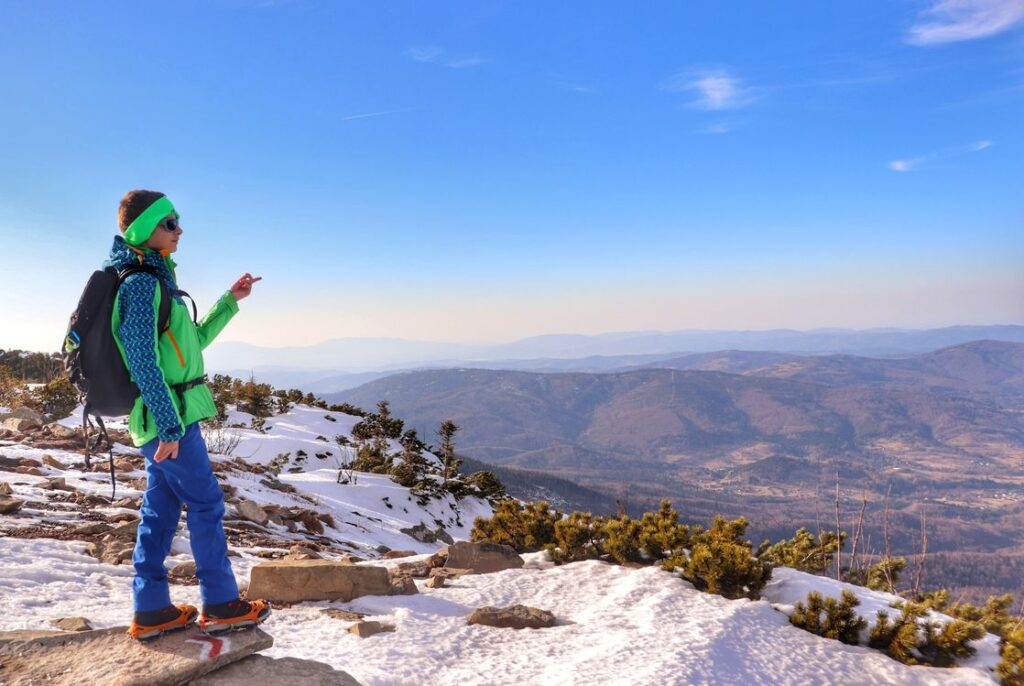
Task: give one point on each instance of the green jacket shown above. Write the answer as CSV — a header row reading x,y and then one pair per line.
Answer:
x,y
159,360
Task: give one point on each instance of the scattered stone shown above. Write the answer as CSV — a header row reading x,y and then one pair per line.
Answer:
x,y
444,536
72,624
448,572
382,549
343,615
515,617
482,558
364,629
82,657
123,517
403,585
186,571
5,488
421,533
125,464
419,569
395,554
10,505
293,581
57,483
61,431
301,552
435,582
93,529
51,461
131,503
140,484
311,520
249,510
31,471
260,670
21,419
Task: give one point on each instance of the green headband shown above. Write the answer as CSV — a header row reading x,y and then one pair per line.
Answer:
x,y
142,228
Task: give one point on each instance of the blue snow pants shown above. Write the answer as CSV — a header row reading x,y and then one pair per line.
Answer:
x,y
187,480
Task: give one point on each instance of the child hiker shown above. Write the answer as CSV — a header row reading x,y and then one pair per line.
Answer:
x,y
167,367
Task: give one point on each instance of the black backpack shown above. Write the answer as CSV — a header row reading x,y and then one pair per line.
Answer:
x,y
91,358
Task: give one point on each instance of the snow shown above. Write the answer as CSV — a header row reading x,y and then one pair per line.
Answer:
x,y
615,624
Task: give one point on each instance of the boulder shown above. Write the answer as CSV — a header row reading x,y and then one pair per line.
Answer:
x,y
260,670
123,517
292,581
364,629
403,585
186,571
51,461
435,582
57,483
419,569
421,533
249,510
482,558
31,471
5,488
72,624
444,536
61,431
343,615
21,419
93,529
514,617
10,505
140,484
83,657
125,464
395,554
301,552
130,503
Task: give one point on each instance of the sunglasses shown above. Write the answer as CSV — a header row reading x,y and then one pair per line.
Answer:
x,y
170,224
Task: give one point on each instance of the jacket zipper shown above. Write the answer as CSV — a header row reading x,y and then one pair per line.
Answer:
x,y
181,358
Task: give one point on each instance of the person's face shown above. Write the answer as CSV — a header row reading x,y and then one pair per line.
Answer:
x,y
166,234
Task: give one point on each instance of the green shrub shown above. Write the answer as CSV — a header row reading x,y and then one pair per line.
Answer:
x,y
527,528
661,534
913,640
884,575
721,562
580,536
830,618
622,540
1011,663
487,484
804,551
57,399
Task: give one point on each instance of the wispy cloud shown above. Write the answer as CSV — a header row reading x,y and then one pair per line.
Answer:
x,y
950,21
718,128
916,162
367,115
440,56
713,89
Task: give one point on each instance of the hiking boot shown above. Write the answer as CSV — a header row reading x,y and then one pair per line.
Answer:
x,y
149,625
233,615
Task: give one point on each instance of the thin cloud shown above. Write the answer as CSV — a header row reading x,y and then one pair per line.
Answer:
x,y
439,56
951,21
916,162
713,90
367,115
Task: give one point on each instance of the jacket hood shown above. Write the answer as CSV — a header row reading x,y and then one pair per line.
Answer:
x,y
123,255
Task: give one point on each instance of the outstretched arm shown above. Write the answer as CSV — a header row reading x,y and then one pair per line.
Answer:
x,y
225,308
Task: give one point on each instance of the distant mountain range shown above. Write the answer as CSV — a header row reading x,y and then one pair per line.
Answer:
x,y
348,362
763,434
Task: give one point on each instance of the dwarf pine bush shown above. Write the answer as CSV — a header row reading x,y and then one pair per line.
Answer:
x,y
527,528
913,640
580,536
805,551
722,562
830,618
1011,663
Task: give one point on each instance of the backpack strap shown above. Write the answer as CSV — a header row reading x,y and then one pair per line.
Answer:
x,y
100,437
164,315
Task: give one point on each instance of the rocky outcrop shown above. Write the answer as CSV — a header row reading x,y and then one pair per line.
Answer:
x,y
109,656
364,629
260,670
292,581
252,512
514,617
184,573
116,546
10,505
482,558
5,488
435,582
72,624
395,554
21,419
403,585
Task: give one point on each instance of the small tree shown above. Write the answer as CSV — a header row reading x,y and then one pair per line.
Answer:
x,y
446,432
830,618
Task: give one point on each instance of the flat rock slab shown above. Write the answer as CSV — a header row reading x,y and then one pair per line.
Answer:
x,y
482,557
110,658
260,670
293,581
514,617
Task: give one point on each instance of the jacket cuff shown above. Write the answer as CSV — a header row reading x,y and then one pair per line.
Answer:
x,y
231,301
170,435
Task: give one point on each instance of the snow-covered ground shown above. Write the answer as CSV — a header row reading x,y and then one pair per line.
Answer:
x,y
616,625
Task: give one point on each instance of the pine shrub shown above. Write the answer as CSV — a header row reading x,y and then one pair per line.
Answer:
x,y
831,618
527,528
1011,663
721,562
58,398
580,536
805,551
661,534
622,540
913,640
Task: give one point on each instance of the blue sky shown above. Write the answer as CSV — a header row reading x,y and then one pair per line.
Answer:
x,y
484,171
